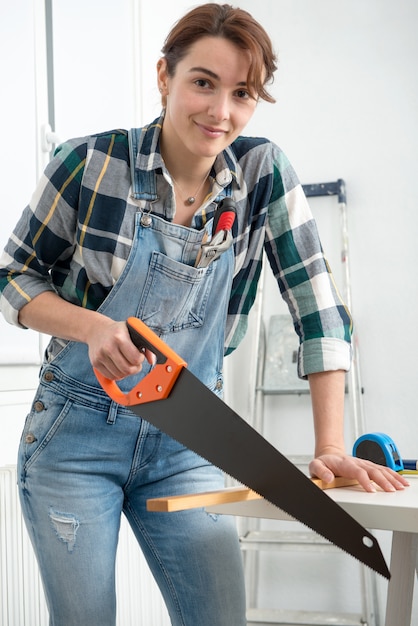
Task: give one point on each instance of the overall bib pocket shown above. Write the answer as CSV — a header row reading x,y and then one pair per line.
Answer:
x,y
175,295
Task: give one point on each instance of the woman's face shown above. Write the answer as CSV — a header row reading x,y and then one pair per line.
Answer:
x,y
208,100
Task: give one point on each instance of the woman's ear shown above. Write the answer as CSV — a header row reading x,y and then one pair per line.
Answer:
x,y
162,76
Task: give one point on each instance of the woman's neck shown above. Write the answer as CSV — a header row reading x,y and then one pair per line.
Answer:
x,y
186,170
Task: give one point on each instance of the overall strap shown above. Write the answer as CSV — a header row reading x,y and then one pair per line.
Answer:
x,y
140,179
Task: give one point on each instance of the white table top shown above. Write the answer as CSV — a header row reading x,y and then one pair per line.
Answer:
x,y
381,510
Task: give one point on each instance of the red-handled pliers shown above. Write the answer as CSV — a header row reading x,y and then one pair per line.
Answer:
x,y
221,229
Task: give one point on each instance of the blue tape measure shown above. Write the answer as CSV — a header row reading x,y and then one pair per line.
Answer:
x,y
380,449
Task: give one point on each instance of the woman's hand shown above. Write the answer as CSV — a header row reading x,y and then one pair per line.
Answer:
x,y
331,460
112,352
329,465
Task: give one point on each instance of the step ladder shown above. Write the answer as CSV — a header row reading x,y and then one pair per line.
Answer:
x,y
276,377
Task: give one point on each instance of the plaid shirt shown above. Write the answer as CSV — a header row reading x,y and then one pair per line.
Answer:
x,y
76,234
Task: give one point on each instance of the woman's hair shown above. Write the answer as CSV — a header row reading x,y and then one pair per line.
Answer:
x,y
236,25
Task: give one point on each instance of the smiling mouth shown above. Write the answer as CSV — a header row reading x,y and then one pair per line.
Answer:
x,y
209,131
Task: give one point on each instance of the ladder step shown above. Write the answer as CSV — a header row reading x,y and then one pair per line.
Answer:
x,y
285,540
299,459
266,617
288,391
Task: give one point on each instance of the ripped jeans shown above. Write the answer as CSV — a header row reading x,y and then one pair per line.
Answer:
x,y
80,466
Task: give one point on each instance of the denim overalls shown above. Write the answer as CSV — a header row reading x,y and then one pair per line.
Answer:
x,y
83,459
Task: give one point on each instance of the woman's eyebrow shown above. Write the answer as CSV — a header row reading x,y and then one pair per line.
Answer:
x,y
204,70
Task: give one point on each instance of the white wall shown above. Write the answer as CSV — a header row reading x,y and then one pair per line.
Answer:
x,y
92,93
347,96
346,107
17,159
347,101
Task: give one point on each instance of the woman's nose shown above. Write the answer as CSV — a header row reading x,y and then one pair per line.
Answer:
x,y
220,107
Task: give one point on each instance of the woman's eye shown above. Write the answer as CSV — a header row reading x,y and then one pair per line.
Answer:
x,y
241,93
201,82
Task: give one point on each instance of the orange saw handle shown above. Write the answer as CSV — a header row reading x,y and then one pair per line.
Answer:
x,y
158,383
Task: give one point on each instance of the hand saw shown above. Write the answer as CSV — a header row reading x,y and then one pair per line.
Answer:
x,y
176,402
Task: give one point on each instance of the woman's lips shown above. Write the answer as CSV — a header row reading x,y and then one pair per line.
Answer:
x,y
212,132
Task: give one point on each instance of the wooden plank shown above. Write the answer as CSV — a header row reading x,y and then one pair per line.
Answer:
x,y
196,500
339,481
182,502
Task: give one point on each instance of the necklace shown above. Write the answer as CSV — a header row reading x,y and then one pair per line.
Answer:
x,y
191,199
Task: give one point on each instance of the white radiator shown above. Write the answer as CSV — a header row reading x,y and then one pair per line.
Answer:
x,y
22,601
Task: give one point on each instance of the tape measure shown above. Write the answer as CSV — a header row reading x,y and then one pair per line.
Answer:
x,y
381,449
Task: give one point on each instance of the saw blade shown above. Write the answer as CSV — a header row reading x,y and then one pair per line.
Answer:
x,y
193,415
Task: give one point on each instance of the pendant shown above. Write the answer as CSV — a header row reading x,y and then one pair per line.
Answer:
x,y
191,200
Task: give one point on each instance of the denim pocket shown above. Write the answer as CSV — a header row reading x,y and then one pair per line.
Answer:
x,y
175,295
49,409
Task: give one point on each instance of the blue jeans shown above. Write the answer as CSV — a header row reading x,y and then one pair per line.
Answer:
x,y
75,485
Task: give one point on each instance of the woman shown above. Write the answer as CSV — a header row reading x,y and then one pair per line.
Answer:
x,y
114,230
